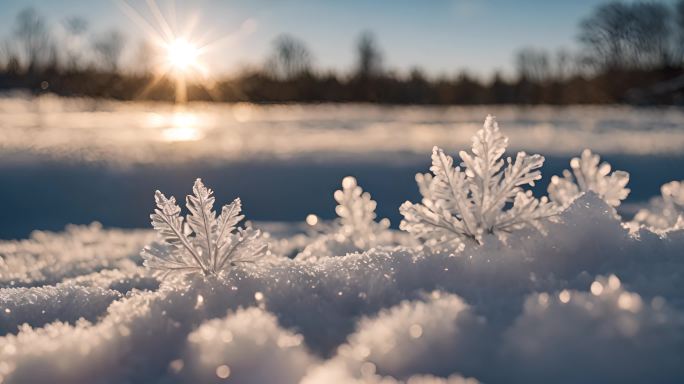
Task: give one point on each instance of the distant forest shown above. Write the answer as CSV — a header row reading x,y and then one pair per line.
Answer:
x,y
629,52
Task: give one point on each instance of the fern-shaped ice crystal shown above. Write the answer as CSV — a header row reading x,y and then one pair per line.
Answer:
x,y
588,175
356,212
483,197
203,243
667,211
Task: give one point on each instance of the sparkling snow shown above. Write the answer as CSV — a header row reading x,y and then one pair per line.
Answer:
x,y
587,302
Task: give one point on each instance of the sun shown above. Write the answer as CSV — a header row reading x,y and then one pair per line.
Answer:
x,y
181,55
181,60
178,52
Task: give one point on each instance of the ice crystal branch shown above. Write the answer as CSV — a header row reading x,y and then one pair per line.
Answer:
x,y
588,175
483,195
204,243
667,211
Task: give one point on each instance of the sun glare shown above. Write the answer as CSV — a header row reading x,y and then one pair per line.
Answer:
x,y
179,50
182,55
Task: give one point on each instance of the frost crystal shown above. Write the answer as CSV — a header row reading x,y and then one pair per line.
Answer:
x,y
588,175
204,244
665,212
482,198
355,229
356,211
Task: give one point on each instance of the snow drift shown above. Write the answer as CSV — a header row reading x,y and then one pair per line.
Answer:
x,y
526,311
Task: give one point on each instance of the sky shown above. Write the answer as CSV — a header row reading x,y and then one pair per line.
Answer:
x,y
440,36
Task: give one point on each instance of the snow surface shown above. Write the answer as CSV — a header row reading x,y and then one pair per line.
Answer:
x,y
590,301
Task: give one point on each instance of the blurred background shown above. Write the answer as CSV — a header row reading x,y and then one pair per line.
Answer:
x,y
103,102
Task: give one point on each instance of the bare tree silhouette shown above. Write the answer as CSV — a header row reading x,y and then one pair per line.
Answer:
x,y
563,64
32,35
679,37
369,60
290,59
145,57
627,36
75,28
533,64
652,32
108,47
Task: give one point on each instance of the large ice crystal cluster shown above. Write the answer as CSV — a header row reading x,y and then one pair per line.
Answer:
x,y
484,195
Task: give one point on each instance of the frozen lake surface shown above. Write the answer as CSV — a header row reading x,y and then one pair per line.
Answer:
x,y
75,160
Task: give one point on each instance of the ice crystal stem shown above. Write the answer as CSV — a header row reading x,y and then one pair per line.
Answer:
x,y
187,245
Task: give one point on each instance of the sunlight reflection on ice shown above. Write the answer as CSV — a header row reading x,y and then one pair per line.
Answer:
x,y
181,133
145,132
178,126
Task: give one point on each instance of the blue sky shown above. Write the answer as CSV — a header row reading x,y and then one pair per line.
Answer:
x,y
441,36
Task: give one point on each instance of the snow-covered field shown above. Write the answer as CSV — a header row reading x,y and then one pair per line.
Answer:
x,y
484,282
588,302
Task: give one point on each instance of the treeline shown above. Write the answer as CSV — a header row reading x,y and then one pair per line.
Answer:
x,y
628,52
